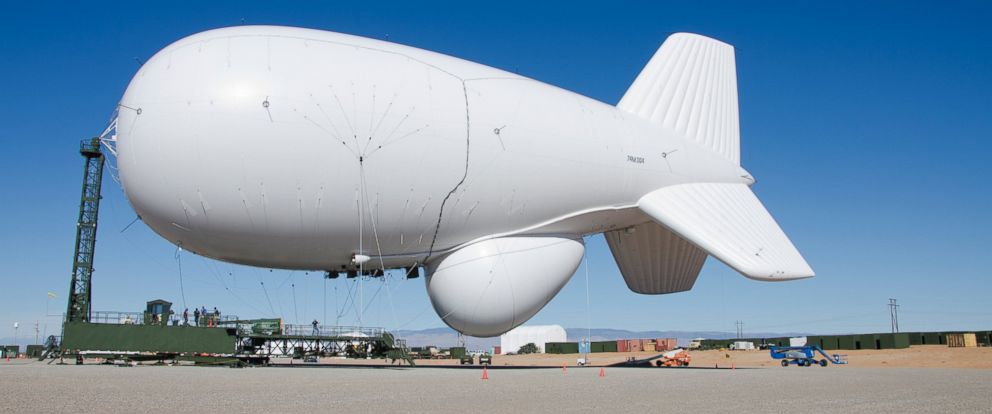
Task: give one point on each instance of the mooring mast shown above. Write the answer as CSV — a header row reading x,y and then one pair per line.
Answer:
x,y
79,309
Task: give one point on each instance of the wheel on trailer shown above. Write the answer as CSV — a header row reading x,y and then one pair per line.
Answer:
x,y
823,362
657,363
785,362
805,362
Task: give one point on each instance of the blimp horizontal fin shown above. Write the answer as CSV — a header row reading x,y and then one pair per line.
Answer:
x,y
690,86
729,222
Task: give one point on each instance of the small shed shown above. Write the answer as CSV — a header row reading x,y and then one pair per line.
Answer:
x,y
158,311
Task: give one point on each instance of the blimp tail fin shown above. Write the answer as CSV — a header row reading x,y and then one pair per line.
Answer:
x,y
729,222
653,260
690,85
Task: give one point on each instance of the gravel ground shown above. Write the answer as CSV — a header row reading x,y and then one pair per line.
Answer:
x,y
37,387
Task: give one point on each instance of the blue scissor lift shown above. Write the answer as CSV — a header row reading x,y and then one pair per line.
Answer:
x,y
804,356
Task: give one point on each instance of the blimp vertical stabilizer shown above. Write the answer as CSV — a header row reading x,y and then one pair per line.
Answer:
x,y
689,87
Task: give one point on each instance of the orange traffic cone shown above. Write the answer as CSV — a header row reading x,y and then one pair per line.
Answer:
x,y
733,367
564,368
485,373
602,372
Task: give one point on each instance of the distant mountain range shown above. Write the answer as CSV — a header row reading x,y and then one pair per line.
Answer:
x,y
447,337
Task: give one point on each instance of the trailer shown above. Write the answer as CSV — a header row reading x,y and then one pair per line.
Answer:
x,y
805,356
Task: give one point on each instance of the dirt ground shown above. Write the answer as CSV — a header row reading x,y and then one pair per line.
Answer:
x,y
921,356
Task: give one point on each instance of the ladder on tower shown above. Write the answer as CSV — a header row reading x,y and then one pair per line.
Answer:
x,y
80,297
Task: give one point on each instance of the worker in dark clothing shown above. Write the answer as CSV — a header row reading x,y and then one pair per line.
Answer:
x,y
196,316
185,316
315,324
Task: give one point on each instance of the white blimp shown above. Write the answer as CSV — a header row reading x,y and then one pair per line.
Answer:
x,y
304,149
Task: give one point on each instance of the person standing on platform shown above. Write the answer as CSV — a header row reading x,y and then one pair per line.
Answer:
x,y
315,324
196,316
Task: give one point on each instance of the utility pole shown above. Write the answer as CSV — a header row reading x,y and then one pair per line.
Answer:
x,y
740,329
894,315
15,333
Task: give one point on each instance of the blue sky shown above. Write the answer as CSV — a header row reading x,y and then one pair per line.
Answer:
x,y
868,127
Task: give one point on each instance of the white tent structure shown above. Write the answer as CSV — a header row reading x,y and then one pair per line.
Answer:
x,y
538,335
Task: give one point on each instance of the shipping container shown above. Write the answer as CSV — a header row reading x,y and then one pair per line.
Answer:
x,y
10,351
845,342
892,341
665,344
497,350
561,347
604,346
34,351
986,339
870,341
775,341
900,341
825,342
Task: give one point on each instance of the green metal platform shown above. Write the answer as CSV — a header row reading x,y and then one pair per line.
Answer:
x,y
112,338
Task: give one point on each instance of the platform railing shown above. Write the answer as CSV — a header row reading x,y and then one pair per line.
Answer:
x,y
333,331
138,318
118,318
